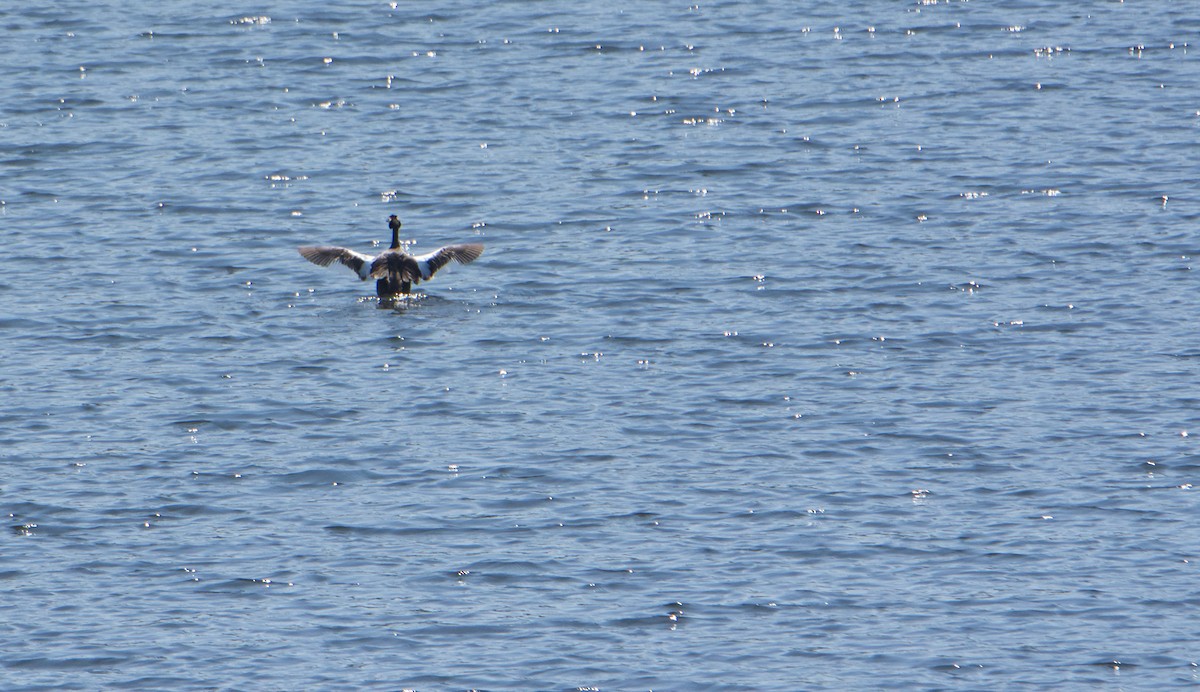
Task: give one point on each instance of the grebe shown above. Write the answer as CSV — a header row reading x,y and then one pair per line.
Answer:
x,y
395,270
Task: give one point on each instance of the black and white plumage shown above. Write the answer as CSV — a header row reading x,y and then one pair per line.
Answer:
x,y
395,270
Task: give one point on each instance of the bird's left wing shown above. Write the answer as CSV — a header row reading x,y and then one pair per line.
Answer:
x,y
463,254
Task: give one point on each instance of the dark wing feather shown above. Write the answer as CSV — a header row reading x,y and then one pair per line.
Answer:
x,y
463,254
325,255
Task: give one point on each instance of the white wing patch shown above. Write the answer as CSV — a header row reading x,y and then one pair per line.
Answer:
x,y
423,265
364,268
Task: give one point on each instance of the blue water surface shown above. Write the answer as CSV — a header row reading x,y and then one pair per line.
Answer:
x,y
815,346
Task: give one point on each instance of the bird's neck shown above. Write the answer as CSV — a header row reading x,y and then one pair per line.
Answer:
x,y
395,238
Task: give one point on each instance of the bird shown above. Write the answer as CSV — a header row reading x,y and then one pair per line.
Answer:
x,y
394,270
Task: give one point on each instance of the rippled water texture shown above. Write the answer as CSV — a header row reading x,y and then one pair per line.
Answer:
x,y
815,346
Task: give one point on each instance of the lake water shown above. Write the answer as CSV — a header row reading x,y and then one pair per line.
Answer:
x,y
815,346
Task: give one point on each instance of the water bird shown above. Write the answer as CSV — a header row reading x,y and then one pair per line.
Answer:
x,y
394,270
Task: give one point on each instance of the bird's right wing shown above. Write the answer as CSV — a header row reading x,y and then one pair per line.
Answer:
x,y
325,255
